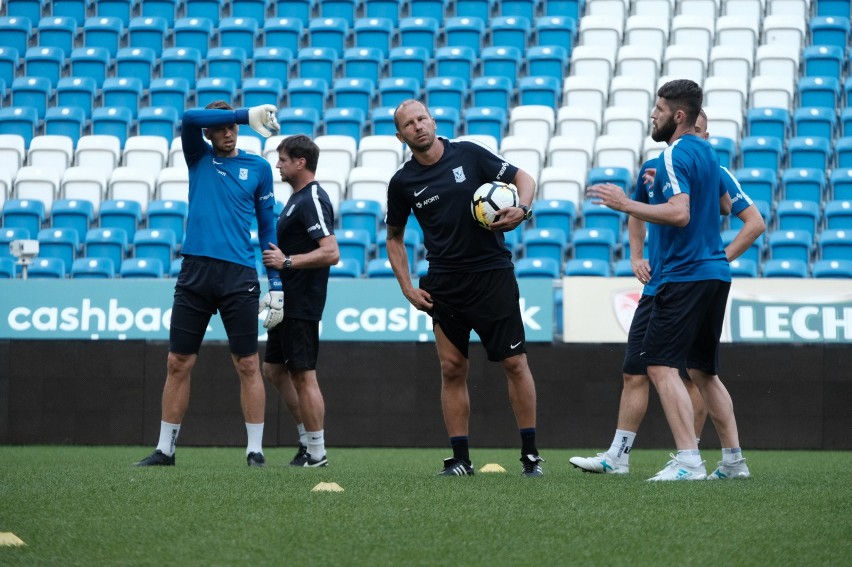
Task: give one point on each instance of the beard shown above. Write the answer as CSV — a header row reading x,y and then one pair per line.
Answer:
x,y
663,132
424,146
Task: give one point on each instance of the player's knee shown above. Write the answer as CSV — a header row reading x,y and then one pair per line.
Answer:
x,y
179,365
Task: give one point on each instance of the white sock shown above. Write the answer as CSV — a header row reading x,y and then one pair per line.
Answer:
x,y
697,440
731,456
255,438
619,451
690,457
168,437
303,435
316,444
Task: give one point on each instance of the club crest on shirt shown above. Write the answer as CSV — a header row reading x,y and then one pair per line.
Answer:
x,y
243,173
459,173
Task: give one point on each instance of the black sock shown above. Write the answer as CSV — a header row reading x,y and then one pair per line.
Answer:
x,y
528,442
460,448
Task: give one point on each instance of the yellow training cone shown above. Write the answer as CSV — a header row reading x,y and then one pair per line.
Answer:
x,y
327,487
492,467
8,538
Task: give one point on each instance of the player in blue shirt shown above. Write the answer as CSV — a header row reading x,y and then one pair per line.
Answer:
x,y
306,249
227,189
634,395
688,310
471,281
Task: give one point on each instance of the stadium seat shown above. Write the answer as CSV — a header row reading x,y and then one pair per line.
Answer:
x,y
773,91
98,151
743,268
527,267
639,61
492,91
829,30
454,62
447,119
354,93
754,252
86,184
818,91
210,9
51,153
317,63
418,32
165,9
500,62
172,93
389,9
58,242
586,92
784,29
409,61
761,152
46,62
759,184
337,152
173,184
255,9
34,183
334,183
112,121
75,9
487,120
525,153
16,32
363,63
47,268
283,33
209,89
726,150
369,183
123,91
798,215
238,32
824,61
90,62
786,268
7,268
77,214
298,120
832,269
591,243
346,268
790,245
594,267
148,31
92,268
328,32
553,29
308,93
227,62
31,92
65,121
446,91
261,91
613,151
132,184
343,9
272,62
374,33
622,268
120,9
803,184
465,31
345,122
146,152
104,32
412,240
554,214
155,243
838,215
809,152
835,244
361,214
138,62
123,214
539,90
8,66
615,175
593,62
181,63
571,152
510,31
354,244
769,122
27,214
545,243
815,122
841,184
379,151
602,217
9,234
132,268
731,61
110,243
381,119
778,60
394,90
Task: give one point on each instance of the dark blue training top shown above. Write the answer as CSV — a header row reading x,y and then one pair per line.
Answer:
x,y
440,196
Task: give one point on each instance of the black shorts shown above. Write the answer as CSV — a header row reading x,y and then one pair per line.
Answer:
x,y
486,302
632,362
686,324
205,286
294,343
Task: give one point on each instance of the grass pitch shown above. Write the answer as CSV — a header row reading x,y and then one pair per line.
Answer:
x,y
89,506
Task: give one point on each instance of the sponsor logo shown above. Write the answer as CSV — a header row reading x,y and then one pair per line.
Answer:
x,y
781,321
624,304
459,174
222,173
502,170
429,201
269,195
516,345
243,173
216,162
317,226
417,193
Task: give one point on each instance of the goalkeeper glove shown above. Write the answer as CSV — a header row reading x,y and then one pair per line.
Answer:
x,y
262,119
274,301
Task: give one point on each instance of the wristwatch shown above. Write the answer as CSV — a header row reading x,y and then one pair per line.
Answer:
x,y
288,263
527,212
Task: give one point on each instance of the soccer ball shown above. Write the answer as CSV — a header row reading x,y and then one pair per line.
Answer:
x,y
490,198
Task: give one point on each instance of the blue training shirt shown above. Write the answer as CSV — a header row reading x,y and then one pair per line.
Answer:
x,y
225,193
693,252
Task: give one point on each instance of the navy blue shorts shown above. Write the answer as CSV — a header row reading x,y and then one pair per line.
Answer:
x,y
633,364
294,343
686,324
486,302
205,286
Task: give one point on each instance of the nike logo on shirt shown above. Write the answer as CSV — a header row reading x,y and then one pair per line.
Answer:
x,y
417,193
216,162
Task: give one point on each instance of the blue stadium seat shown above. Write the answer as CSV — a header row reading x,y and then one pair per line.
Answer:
x,y
174,268
7,268
798,215
108,243
835,244
345,122
755,251
833,8
299,9
90,62
591,243
394,90
10,233
92,268
823,61
122,214
726,150
545,243
149,32
455,62
743,268
227,62
168,214
27,214
123,91
354,244
832,269
411,61
362,214
382,122
815,122
115,9
138,62
379,268
297,120
172,93
464,32
622,268
521,8
210,9
16,32
547,61
30,9
615,175
346,268
809,152
601,216
308,93
21,121
769,122
354,93
65,121
132,268
846,121
343,9
374,33
75,9
159,243
283,33
328,32
33,92
46,268
511,31
413,245
543,91
57,31
841,184
76,92
554,213
418,32
363,63
8,65
104,32
72,213
209,89
556,30
838,215
501,62
790,245
830,30
59,242
546,268
44,61
759,184
389,9
181,62
112,121
762,152
446,91
819,91
786,268
262,91
272,62
803,184
594,267
421,268
255,9
488,120
317,63
197,33
492,91
158,121
165,9
481,9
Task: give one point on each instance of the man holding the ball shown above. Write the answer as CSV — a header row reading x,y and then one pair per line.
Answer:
x,y
471,281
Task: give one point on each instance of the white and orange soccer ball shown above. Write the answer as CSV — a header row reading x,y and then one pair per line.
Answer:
x,y
490,198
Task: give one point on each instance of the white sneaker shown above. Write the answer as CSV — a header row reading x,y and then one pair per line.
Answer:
x,y
676,470
600,463
733,471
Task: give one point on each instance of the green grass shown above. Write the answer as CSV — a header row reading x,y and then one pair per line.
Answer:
x,y
88,506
